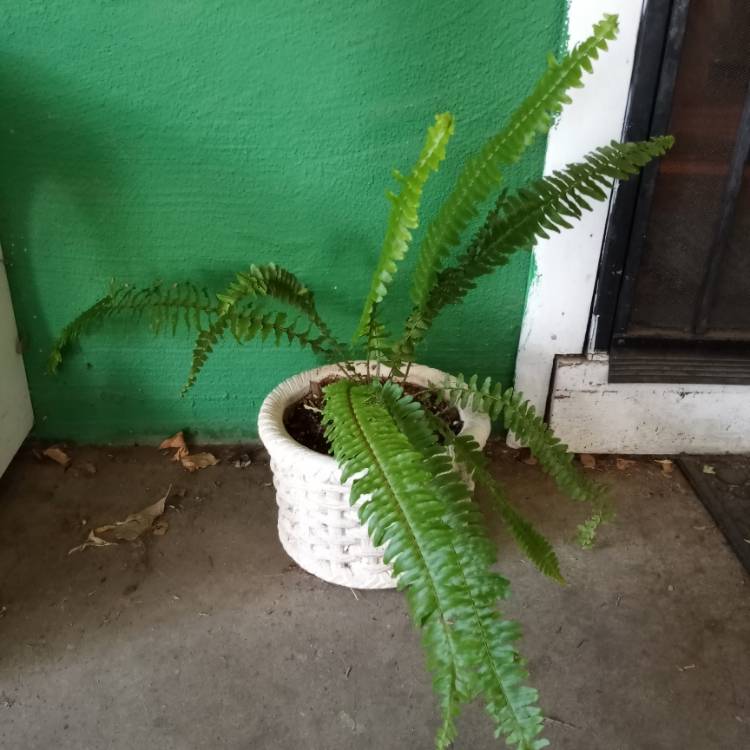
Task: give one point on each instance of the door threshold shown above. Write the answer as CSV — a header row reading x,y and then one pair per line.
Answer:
x,y
593,415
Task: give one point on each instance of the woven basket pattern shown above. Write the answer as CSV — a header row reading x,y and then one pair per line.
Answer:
x,y
318,527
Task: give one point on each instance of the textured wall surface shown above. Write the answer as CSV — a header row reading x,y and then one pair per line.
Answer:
x,y
176,140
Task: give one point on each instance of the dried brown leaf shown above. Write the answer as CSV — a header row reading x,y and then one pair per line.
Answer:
x,y
57,455
129,529
92,540
667,466
176,441
624,463
195,461
587,460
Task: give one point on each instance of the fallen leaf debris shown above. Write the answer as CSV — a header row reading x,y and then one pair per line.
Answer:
x,y
58,455
190,461
587,461
624,463
667,466
130,528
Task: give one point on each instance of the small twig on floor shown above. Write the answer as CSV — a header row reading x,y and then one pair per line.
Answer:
x,y
354,593
555,720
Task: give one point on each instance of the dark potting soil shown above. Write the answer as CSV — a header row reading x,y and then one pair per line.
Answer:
x,y
303,419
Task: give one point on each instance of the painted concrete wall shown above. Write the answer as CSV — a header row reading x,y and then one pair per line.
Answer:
x,y
146,140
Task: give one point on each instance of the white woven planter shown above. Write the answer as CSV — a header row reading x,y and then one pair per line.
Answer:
x,y
318,527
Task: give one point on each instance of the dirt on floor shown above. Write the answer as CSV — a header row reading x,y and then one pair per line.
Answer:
x,y
209,637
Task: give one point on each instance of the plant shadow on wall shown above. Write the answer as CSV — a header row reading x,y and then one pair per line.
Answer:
x,y
88,190
61,203
392,437
45,147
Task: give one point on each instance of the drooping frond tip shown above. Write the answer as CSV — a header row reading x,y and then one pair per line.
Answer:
x,y
419,507
404,214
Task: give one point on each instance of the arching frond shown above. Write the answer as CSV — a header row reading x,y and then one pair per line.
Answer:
x,y
248,324
166,306
246,287
481,174
284,286
237,308
419,507
519,219
534,545
519,416
404,216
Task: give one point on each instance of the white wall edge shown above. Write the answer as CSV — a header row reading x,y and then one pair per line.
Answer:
x,y
558,305
592,415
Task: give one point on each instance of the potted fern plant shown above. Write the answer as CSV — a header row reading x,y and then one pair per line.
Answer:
x,y
374,456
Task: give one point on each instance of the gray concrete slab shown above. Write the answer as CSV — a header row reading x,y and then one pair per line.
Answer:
x,y
208,637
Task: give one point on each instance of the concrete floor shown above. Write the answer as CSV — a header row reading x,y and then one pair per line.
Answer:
x,y
208,637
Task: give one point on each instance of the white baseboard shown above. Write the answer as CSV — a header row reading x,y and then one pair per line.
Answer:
x,y
592,415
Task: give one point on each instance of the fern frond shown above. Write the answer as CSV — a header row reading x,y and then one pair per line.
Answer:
x,y
519,416
588,530
404,215
482,172
519,219
165,305
244,288
465,451
544,206
534,545
284,286
248,324
419,507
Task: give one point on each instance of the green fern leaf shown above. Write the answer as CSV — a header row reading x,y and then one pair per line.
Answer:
x,y
482,173
404,215
167,306
246,288
419,507
467,453
285,287
534,545
519,416
588,530
248,324
520,218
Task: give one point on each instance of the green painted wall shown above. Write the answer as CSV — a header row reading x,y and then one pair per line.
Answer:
x,y
144,140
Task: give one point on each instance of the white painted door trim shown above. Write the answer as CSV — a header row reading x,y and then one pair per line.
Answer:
x,y
558,304
586,411
16,416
